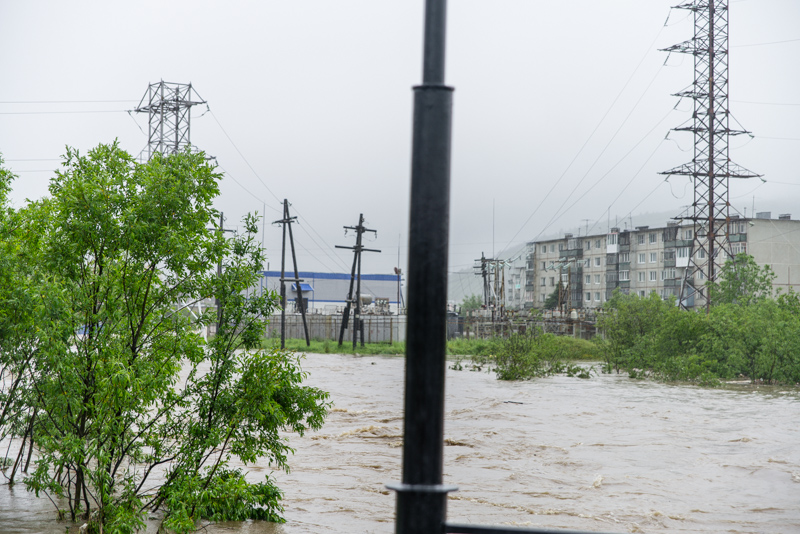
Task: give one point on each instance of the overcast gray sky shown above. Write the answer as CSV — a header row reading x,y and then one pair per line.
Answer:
x,y
316,98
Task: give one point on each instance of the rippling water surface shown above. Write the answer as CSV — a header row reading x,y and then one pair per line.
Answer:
x,y
609,454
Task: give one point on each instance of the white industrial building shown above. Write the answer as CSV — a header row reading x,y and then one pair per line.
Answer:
x,y
326,293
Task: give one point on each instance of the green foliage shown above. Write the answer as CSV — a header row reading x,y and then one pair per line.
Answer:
x,y
532,354
469,347
552,301
747,332
742,282
116,384
332,347
471,303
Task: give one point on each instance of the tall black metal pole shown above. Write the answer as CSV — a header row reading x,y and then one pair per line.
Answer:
x,y
421,497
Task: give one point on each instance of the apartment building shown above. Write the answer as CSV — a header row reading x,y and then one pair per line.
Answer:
x,y
645,260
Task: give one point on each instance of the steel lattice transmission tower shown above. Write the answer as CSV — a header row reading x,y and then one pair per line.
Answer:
x,y
711,168
168,106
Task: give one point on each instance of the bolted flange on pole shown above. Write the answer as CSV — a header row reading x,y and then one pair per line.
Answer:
x,y
421,497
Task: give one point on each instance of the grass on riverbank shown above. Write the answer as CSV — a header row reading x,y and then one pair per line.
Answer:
x,y
575,349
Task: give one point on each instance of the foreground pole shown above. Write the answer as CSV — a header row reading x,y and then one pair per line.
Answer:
x,y
421,497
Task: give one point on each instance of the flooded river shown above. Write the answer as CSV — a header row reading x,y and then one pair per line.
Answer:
x,y
608,454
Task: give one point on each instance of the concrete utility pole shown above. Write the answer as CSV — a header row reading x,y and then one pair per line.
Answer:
x,y
286,222
168,107
358,325
711,168
494,284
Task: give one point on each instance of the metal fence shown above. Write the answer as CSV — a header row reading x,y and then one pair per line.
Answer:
x,y
377,328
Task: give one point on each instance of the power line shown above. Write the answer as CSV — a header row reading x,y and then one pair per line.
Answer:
x,y
591,135
560,211
60,112
764,103
213,115
765,44
65,101
35,159
237,182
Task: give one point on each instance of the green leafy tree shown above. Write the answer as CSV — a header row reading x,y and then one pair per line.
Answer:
x,y
552,301
742,281
471,303
627,324
135,411
26,304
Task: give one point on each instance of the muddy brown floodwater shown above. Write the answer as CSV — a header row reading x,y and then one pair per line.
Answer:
x,y
608,453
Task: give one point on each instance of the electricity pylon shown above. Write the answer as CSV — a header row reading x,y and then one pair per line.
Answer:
x,y
168,107
710,168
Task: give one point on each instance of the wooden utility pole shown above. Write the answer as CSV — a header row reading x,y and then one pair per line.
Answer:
x,y
286,222
358,326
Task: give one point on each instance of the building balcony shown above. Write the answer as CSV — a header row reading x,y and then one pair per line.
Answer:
x,y
669,263
738,238
575,253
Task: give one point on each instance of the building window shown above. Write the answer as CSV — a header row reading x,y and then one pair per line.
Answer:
x,y
625,257
597,296
544,249
588,297
624,275
653,276
683,252
588,245
653,238
551,264
560,247
597,243
597,262
653,257
640,239
612,239
641,276
544,265
641,257
552,281
688,234
587,262
641,293
588,278
597,279
552,247
543,281
702,253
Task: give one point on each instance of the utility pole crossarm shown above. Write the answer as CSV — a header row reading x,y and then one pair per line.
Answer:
x,y
355,279
286,222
